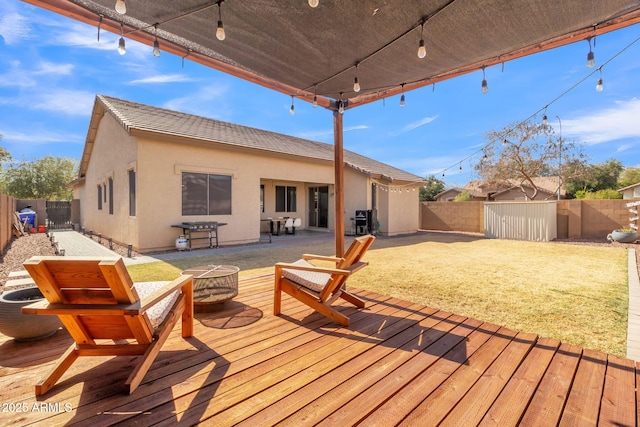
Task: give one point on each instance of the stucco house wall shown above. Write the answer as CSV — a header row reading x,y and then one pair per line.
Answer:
x,y
160,145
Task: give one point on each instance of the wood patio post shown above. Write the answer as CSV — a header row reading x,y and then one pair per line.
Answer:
x,y
339,182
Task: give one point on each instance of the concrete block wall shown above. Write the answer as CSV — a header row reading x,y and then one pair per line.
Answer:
x,y
452,216
576,219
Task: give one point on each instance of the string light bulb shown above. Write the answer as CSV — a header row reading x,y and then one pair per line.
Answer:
x,y
356,84
545,120
340,107
402,98
485,86
591,57
156,46
314,3
121,47
315,101
292,109
422,50
220,34
600,84
121,7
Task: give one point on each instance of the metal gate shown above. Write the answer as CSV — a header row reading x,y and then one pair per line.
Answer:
x,y
58,215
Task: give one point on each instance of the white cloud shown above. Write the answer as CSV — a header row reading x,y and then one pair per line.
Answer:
x,y
40,137
202,103
415,125
162,78
66,102
14,28
326,134
611,124
46,67
352,128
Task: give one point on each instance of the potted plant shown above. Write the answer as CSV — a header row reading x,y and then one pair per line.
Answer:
x,y
25,327
623,235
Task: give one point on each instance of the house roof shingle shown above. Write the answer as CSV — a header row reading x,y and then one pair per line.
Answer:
x,y
147,118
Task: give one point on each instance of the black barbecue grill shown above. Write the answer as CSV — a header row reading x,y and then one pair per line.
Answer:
x,y
362,222
211,227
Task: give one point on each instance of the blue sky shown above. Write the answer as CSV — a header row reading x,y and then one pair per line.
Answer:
x,y
51,68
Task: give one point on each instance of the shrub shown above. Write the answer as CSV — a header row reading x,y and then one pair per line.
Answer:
x,y
598,195
463,197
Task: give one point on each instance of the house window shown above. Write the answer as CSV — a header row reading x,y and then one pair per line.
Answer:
x,y
285,199
204,194
99,197
110,196
132,193
261,198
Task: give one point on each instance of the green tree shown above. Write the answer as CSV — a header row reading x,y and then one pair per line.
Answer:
x,y
599,176
463,196
521,152
45,178
431,189
4,154
629,176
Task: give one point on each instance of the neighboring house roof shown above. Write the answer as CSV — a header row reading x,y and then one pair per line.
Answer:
x,y
136,117
629,187
448,190
482,189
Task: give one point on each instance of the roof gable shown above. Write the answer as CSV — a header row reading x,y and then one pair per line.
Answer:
x,y
141,117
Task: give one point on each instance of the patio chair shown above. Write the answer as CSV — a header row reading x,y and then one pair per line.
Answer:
x,y
106,313
291,225
318,287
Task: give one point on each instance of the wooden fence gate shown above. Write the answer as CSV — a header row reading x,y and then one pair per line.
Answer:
x,y
58,215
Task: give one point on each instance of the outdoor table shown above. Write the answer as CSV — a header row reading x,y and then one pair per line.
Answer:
x,y
275,224
213,284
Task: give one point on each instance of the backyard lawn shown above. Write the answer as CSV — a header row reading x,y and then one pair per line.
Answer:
x,y
577,294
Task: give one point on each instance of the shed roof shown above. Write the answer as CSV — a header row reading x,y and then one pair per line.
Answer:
x,y
135,118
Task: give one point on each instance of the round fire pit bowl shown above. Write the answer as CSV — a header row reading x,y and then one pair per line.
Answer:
x,y
213,284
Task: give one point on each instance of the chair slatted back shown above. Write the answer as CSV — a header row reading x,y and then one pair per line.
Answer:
x,y
356,251
90,281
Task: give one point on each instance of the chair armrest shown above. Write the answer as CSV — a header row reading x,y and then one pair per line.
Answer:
x,y
357,266
321,257
157,296
281,265
44,308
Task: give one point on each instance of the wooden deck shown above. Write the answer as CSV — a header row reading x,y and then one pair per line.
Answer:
x,y
398,363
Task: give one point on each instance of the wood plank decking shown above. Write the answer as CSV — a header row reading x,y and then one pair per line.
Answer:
x,y
398,363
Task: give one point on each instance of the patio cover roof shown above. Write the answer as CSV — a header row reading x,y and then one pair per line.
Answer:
x,y
291,47
309,52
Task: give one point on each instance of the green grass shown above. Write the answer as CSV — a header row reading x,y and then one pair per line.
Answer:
x,y
577,294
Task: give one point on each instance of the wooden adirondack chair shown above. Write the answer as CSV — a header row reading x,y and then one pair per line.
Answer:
x,y
319,287
104,310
